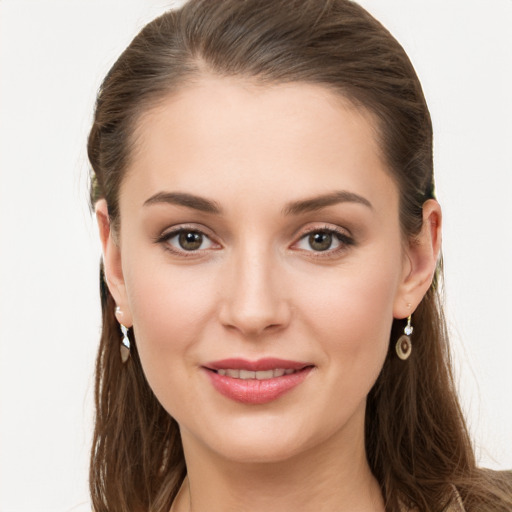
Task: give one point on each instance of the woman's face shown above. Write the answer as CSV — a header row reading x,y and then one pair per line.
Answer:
x,y
260,233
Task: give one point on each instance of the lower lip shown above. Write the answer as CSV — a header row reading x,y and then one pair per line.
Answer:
x,y
253,391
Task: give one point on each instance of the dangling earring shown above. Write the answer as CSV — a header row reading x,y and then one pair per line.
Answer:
x,y
403,346
125,344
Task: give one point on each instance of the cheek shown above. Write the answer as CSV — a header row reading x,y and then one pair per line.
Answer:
x,y
352,312
171,309
163,295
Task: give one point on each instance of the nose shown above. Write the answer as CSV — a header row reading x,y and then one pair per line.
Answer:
x,y
253,296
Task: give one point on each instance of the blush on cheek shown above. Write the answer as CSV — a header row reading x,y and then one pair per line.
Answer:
x,y
169,313
354,302
355,318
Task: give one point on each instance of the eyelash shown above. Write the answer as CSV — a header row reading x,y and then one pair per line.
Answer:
x,y
165,238
344,240
342,237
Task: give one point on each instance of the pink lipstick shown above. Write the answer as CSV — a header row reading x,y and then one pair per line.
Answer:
x,y
256,382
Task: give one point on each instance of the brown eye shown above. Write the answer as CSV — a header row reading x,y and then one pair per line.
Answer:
x,y
184,240
324,240
320,240
190,240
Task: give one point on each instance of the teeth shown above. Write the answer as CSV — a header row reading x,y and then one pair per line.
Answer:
x,y
268,374
260,375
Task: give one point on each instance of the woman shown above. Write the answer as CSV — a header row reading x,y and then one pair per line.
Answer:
x,y
272,332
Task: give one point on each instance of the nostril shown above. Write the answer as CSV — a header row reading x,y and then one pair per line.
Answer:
x,y
253,307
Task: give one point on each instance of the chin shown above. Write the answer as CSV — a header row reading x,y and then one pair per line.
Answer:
x,y
266,440
260,451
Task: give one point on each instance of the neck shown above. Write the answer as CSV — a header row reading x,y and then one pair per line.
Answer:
x,y
332,476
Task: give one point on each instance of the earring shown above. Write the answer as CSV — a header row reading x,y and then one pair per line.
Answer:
x,y
403,346
125,344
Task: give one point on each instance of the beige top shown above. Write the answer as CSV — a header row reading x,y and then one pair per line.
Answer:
x,y
455,505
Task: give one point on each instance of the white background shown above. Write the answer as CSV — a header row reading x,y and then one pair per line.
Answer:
x,y
53,57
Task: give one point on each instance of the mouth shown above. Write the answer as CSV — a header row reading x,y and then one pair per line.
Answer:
x,y
256,382
259,375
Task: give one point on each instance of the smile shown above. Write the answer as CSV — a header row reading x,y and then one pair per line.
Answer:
x,y
260,375
256,382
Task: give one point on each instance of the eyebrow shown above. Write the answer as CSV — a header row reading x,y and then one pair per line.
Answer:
x,y
317,203
294,208
183,199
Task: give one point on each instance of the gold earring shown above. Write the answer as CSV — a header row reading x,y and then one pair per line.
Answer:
x,y
403,346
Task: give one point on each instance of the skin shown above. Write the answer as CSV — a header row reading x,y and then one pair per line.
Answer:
x,y
257,287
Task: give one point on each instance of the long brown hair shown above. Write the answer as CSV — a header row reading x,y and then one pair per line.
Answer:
x,y
417,442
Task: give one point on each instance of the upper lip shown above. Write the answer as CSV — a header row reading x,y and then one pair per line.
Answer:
x,y
268,363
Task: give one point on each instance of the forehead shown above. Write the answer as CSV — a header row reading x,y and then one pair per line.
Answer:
x,y
224,134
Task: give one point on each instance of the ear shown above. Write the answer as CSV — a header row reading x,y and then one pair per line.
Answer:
x,y
112,264
421,258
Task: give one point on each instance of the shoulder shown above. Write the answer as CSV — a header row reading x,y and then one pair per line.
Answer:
x,y
456,504
502,479
501,484
501,501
